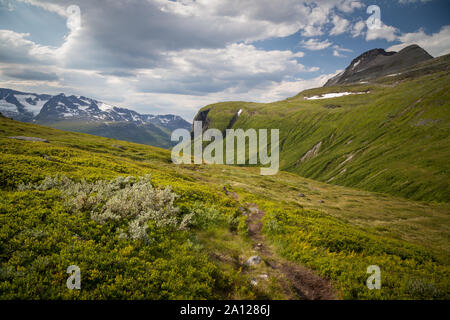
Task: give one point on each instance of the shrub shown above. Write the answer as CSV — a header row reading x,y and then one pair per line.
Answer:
x,y
124,199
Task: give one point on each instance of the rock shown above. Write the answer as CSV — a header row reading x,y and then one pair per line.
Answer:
x,y
254,282
253,209
376,63
118,147
264,276
321,201
301,195
47,157
29,139
253,261
332,106
312,153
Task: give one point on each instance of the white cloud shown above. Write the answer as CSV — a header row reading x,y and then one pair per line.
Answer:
x,y
15,47
358,28
386,32
340,25
316,44
237,68
337,52
436,44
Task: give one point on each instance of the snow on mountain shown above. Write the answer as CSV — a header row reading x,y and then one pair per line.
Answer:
x,y
21,106
31,107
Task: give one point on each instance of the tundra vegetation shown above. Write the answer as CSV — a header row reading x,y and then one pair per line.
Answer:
x,y
81,200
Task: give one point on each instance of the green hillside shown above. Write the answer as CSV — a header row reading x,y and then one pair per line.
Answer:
x,y
63,203
145,134
394,138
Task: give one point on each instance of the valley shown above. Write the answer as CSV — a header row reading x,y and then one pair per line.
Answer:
x,y
363,182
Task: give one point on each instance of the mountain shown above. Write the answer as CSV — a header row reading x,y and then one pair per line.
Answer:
x,y
21,106
377,62
81,114
390,135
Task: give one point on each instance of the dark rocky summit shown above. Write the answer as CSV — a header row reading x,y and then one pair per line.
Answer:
x,y
376,63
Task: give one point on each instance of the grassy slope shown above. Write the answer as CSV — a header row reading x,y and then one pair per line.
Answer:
x,y
397,136
338,238
148,134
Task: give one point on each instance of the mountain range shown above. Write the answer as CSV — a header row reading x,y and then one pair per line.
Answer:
x,y
82,114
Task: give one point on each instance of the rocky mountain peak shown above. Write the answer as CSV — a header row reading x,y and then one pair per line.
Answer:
x,y
377,63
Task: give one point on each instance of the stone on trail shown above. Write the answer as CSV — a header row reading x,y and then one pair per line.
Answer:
x,y
253,260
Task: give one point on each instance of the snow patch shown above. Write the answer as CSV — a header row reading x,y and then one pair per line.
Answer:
x,y
333,95
34,108
104,106
82,108
4,105
356,64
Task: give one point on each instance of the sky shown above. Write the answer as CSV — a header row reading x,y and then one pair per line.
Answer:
x,y
174,57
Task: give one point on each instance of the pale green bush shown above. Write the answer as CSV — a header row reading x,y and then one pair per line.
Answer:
x,y
128,199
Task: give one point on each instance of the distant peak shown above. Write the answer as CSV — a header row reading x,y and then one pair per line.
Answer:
x,y
378,62
414,47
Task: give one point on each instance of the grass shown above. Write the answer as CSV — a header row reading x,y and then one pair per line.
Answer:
x,y
337,238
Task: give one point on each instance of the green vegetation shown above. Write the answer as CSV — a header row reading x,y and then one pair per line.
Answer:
x,y
145,134
88,201
393,139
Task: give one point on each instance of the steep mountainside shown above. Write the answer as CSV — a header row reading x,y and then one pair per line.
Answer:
x,y
377,62
390,135
87,115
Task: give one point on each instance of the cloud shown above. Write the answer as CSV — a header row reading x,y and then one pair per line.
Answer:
x,y
337,52
358,28
436,44
237,68
340,25
386,32
315,44
16,48
29,74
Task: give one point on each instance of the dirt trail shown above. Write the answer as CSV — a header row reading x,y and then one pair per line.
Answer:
x,y
305,284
